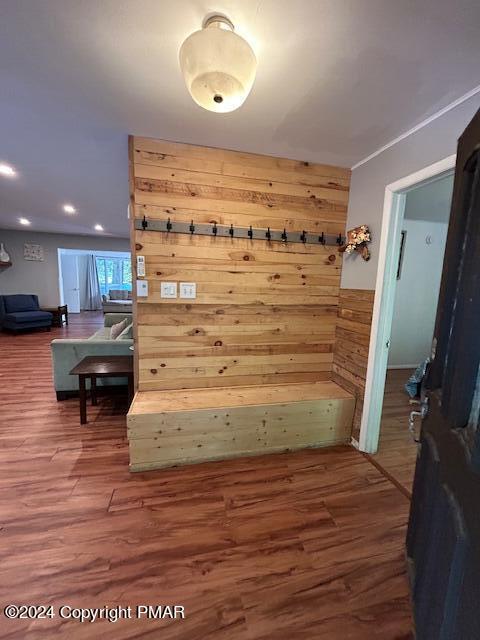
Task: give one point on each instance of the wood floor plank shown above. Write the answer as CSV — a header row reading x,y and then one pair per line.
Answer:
x,y
397,453
290,546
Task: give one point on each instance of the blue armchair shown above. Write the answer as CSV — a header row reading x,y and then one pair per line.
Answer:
x,y
22,311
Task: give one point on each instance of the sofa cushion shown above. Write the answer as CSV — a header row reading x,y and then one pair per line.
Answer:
x,y
119,302
117,329
28,316
117,294
127,333
110,319
20,302
101,334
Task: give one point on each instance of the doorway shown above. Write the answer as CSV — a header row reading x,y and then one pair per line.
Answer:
x,y
383,309
69,281
417,287
113,271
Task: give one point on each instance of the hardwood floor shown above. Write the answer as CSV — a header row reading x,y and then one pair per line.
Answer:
x,y
305,545
397,453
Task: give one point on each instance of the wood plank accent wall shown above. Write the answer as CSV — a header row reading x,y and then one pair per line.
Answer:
x,y
264,313
351,346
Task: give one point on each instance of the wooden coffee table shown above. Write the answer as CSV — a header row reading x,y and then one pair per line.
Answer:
x,y
60,315
94,367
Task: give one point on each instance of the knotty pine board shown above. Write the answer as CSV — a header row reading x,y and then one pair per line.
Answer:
x,y
174,428
264,313
352,340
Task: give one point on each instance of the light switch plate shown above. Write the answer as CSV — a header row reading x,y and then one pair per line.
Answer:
x,y
188,290
168,289
142,288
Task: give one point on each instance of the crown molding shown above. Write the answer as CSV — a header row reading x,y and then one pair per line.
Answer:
x,y
419,126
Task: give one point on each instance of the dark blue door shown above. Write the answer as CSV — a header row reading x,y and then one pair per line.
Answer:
x,y
443,542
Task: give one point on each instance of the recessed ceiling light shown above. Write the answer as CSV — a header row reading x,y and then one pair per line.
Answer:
x,y
24,221
69,208
98,227
7,170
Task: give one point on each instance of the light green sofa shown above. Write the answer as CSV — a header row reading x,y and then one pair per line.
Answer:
x,y
117,301
66,353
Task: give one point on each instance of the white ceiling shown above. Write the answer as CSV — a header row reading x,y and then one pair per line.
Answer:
x,y
336,80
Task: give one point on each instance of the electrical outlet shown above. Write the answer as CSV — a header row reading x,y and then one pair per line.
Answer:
x,y
168,289
188,290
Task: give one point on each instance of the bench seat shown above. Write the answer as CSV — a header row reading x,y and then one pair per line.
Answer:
x,y
185,426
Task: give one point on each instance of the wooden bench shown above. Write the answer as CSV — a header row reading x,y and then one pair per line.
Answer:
x,y
167,428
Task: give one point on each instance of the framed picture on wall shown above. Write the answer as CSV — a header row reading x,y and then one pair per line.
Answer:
x,y
400,256
33,252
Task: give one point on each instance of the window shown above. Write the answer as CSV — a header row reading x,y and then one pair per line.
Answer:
x,y
114,273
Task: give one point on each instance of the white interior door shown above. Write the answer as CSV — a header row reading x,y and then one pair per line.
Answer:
x,y
71,285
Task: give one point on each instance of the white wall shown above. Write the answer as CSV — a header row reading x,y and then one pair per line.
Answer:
x,y
41,278
428,145
417,292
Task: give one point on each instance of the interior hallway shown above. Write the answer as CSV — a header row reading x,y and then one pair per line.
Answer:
x,y
397,453
300,545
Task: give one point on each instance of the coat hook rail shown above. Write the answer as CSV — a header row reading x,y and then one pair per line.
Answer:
x,y
230,231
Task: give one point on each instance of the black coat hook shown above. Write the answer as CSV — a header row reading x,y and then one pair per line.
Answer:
x,y
250,232
192,227
230,231
303,237
284,235
268,235
214,230
321,238
144,223
340,239
169,225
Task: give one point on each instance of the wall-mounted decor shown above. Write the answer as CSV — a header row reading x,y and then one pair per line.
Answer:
x,y
400,257
4,255
357,240
33,252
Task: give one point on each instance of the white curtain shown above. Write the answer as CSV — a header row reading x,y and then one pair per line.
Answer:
x,y
93,297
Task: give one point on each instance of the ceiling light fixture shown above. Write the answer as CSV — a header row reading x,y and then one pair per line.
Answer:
x,y
218,66
98,227
24,221
7,170
69,208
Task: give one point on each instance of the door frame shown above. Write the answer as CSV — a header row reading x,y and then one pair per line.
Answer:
x,y
382,316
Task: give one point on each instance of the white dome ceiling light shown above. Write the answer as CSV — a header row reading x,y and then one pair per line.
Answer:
x,y
218,66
